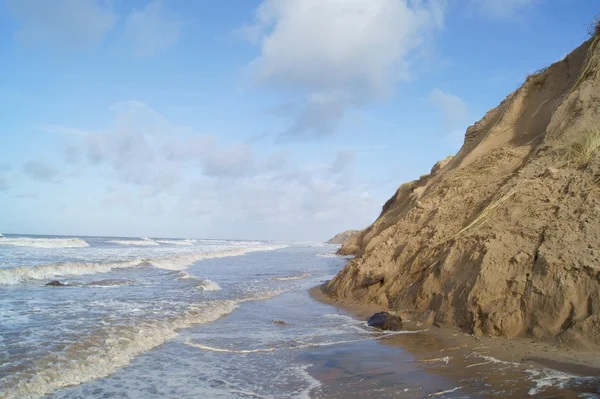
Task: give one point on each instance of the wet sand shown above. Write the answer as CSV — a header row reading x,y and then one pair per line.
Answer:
x,y
461,365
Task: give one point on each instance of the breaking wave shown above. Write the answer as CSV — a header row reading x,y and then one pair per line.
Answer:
x,y
200,283
141,242
299,277
107,350
21,274
177,242
111,348
43,242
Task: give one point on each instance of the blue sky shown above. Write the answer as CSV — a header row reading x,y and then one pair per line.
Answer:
x,y
273,119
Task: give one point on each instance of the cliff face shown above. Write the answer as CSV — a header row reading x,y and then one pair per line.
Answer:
x,y
504,238
343,237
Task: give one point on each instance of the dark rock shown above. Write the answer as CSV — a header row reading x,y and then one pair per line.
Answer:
x,y
281,323
55,283
385,321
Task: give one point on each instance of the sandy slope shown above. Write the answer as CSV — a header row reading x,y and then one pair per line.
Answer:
x,y
504,238
344,236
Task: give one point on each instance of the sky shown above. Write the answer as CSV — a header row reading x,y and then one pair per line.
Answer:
x,y
272,119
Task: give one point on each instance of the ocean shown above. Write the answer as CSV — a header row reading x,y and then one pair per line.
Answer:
x,y
191,318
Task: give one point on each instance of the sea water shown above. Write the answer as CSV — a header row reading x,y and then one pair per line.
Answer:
x,y
189,318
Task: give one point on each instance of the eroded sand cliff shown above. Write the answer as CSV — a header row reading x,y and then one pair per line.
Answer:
x,y
502,239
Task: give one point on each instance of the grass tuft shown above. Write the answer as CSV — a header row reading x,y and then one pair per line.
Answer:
x,y
594,29
496,202
585,148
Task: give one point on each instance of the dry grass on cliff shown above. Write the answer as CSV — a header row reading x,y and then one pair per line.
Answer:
x,y
585,148
494,204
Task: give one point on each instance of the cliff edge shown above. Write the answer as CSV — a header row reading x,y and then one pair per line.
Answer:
x,y
502,239
343,237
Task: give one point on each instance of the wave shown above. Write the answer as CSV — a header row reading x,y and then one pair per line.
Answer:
x,y
200,283
208,285
547,378
328,255
299,277
141,242
107,283
22,274
43,242
109,349
106,351
177,242
293,346
180,262
212,349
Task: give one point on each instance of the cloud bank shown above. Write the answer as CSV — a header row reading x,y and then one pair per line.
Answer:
x,y
337,55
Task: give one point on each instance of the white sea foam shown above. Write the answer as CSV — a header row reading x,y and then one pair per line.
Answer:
x,y
313,383
43,242
111,348
177,242
223,350
21,274
491,359
294,346
546,378
298,277
180,262
140,242
444,392
327,255
208,285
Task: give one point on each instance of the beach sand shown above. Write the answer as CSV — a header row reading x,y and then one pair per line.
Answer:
x,y
465,365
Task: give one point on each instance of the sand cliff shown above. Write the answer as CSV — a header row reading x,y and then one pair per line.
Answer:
x,y
502,239
344,236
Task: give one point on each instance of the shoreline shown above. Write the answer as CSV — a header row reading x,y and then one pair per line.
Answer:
x,y
523,351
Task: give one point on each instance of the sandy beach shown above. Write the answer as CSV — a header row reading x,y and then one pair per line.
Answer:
x,y
503,366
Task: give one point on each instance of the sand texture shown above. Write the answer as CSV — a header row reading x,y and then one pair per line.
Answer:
x,y
502,239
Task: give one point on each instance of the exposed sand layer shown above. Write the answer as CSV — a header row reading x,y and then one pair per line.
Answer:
x,y
344,236
502,239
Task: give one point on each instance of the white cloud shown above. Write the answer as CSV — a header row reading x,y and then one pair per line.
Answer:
x,y
453,107
503,8
338,54
203,184
152,29
40,170
68,24
237,160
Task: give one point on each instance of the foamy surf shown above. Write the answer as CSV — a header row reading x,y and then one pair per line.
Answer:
x,y
106,351
43,242
547,378
292,345
22,274
223,350
111,348
177,242
289,278
140,242
181,262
